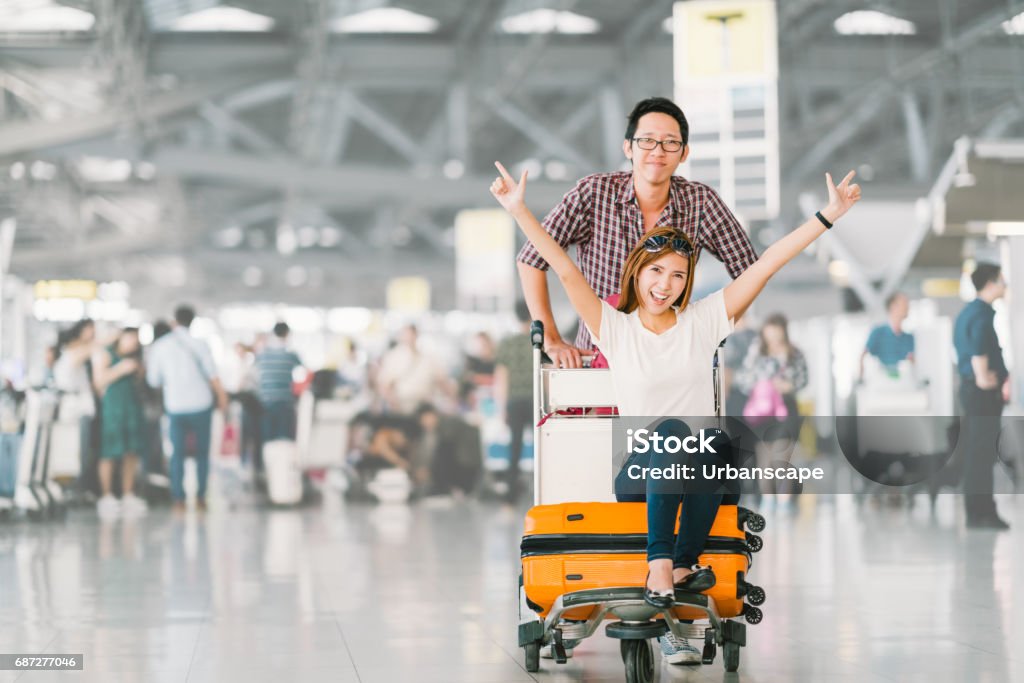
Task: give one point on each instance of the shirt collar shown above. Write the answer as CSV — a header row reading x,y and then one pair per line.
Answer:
x,y
627,193
675,194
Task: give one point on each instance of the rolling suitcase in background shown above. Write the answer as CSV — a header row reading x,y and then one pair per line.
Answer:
x,y
284,478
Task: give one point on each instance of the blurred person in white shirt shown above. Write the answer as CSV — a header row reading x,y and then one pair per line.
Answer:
x,y
183,367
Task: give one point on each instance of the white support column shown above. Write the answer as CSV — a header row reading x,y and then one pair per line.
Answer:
x,y
1013,270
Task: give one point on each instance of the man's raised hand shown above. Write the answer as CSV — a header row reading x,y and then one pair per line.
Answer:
x,y
510,194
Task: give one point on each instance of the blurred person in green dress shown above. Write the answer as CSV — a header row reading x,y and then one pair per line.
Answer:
x,y
118,376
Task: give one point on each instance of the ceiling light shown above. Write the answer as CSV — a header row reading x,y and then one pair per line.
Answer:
x,y
1005,228
385,20
549,21
349,320
287,242
873,23
18,16
329,237
230,237
223,19
556,170
102,170
453,169
1014,26
42,170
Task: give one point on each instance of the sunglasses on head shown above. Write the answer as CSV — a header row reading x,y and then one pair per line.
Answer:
x,y
680,245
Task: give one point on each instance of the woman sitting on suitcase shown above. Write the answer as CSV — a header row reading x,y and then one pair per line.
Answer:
x,y
660,346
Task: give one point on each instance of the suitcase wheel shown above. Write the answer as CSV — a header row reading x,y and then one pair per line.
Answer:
x,y
532,656
755,595
754,542
731,654
639,660
755,522
752,614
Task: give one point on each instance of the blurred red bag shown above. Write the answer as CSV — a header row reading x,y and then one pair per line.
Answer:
x,y
230,445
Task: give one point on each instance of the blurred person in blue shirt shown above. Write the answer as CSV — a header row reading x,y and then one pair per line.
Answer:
x,y
984,389
889,343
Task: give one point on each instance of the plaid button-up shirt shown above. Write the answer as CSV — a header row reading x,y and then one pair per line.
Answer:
x,y
601,216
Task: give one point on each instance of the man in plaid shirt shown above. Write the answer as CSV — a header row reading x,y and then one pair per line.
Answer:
x,y
606,214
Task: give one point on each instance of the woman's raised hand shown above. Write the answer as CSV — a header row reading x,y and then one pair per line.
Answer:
x,y
841,197
510,194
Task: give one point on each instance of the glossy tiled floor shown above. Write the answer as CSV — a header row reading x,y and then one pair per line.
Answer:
x,y
388,594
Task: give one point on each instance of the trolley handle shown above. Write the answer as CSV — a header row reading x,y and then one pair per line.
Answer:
x,y
716,374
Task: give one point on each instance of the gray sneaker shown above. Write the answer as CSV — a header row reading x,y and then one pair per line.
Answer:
x,y
678,650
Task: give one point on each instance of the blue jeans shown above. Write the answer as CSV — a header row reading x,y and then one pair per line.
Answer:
x,y
278,421
10,445
181,426
695,505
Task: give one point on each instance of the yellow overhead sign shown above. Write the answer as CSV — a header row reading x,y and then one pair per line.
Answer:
x,y
66,289
408,294
725,37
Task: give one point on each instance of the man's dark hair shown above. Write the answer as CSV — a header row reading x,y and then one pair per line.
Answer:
x,y
281,330
522,312
891,299
78,329
184,315
657,105
983,274
160,328
425,408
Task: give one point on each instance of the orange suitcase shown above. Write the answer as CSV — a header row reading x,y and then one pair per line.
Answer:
x,y
578,546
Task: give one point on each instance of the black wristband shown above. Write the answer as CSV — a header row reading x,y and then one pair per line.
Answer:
x,y
824,221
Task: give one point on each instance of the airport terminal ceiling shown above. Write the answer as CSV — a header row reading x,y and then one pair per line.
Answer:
x,y
314,155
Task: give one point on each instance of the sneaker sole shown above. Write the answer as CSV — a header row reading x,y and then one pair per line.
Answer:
x,y
682,659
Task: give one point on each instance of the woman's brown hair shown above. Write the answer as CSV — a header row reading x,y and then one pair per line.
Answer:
x,y
640,257
776,320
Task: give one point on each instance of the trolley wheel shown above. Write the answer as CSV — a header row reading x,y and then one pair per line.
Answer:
x,y
639,661
710,650
755,542
755,522
755,595
532,656
752,614
731,655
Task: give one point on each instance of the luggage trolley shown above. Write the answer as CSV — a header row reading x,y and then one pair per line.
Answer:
x,y
35,491
582,471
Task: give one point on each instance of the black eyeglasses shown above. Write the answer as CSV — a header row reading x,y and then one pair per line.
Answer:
x,y
680,245
669,146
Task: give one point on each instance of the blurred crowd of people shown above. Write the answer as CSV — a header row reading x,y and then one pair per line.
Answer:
x,y
141,410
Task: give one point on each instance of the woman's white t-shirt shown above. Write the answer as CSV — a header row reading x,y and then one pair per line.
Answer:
x,y
667,374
